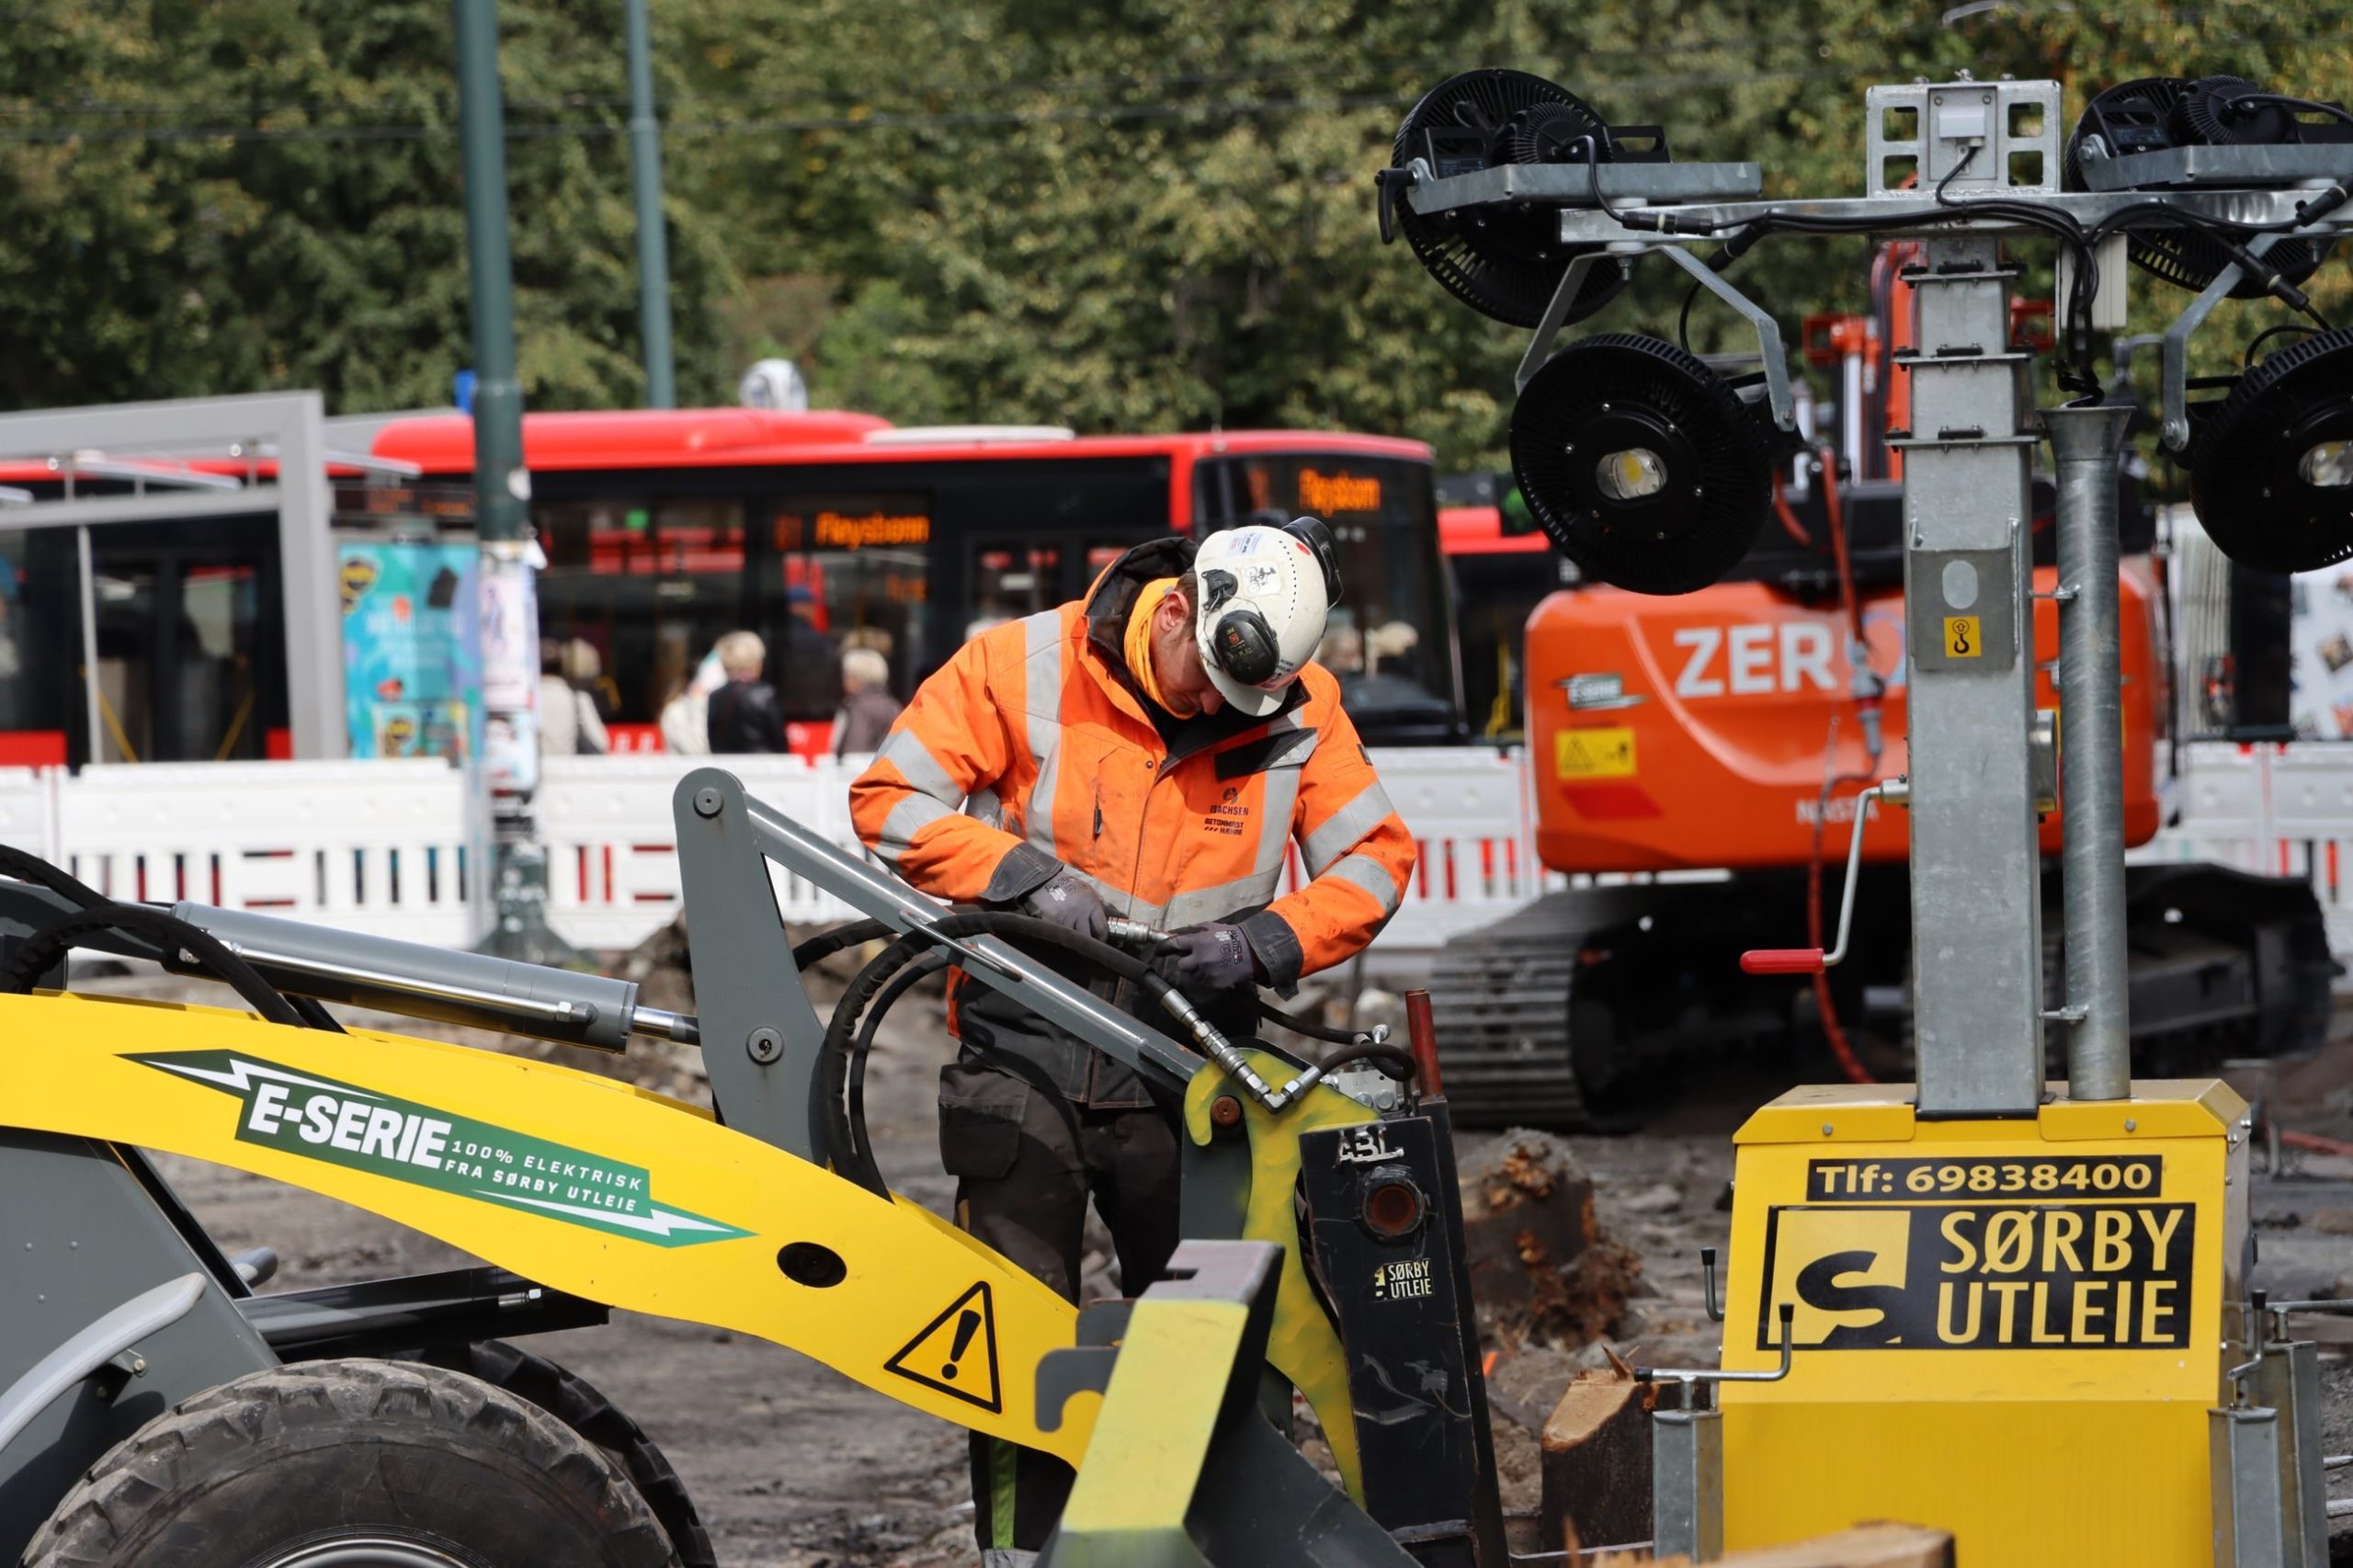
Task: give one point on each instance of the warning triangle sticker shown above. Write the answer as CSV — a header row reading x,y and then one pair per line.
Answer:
x,y
956,1352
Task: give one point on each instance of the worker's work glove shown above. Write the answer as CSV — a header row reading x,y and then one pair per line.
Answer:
x,y
1067,901
1214,957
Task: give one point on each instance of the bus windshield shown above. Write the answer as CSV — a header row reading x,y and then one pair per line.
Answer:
x,y
1390,639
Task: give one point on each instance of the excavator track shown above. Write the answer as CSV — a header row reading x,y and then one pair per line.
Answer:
x,y
1591,1010
1499,998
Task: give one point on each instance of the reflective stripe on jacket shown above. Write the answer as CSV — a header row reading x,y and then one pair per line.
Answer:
x,y
1030,750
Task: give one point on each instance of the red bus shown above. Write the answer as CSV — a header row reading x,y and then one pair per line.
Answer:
x,y
1501,572
663,531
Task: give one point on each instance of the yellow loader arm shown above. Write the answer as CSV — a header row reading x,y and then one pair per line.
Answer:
x,y
578,1182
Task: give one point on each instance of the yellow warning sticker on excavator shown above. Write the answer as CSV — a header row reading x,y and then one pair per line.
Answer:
x,y
956,1352
1593,754
1964,637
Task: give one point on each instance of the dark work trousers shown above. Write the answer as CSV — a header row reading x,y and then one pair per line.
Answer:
x,y
1026,1160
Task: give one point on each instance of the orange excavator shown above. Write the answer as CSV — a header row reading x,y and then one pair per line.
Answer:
x,y
1714,743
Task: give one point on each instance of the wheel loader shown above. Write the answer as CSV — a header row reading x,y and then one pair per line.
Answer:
x,y
157,1409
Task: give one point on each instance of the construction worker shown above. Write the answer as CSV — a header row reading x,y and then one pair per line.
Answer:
x,y
1150,751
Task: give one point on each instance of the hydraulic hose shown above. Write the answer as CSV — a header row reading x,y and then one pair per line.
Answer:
x,y
825,944
26,867
1394,1061
833,1058
54,940
841,1050
909,976
1299,1025
842,1032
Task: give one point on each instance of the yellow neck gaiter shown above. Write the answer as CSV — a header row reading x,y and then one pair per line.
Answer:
x,y
1137,646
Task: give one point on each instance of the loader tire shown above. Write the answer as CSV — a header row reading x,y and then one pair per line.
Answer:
x,y
572,1400
357,1464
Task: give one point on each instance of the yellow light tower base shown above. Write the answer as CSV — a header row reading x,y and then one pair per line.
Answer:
x,y
2010,1329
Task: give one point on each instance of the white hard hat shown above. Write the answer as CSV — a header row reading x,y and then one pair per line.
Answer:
x,y
1264,595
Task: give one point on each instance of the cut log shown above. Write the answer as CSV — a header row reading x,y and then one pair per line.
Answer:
x,y
1596,1460
1865,1546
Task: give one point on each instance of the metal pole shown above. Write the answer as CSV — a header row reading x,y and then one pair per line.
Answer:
x,y
502,507
502,486
2085,443
89,641
653,242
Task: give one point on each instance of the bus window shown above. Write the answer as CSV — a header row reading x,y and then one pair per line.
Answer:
x,y
41,631
188,634
1389,639
18,707
849,571
1495,595
650,584
1012,580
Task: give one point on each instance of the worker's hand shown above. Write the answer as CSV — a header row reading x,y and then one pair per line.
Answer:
x,y
1214,957
1067,901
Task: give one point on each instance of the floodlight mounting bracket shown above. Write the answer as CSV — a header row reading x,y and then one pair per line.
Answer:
x,y
1769,344
2174,397
2320,161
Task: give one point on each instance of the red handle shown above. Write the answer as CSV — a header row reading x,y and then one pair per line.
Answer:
x,y
1422,1034
1782,960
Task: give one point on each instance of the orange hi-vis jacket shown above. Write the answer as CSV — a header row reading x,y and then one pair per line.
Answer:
x,y
1032,749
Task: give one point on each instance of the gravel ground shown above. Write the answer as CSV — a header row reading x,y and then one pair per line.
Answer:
x,y
793,1466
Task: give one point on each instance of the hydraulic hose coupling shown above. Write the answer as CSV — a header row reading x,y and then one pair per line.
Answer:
x,y
1218,1049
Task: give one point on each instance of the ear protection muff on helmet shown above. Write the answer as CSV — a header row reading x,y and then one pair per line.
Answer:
x,y
1243,642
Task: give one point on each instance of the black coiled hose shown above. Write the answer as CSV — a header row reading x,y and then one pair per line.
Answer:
x,y
842,1032
45,947
825,944
92,912
861,1156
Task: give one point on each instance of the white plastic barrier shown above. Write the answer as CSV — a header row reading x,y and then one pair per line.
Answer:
x,y
373,846
1473,821
2279,811
612,840
380,847
29,810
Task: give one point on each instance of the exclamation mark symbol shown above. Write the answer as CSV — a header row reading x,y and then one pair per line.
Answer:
x,y
968,1322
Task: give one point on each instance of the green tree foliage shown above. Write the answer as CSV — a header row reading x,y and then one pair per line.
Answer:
x,y
218,196
1107,213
